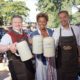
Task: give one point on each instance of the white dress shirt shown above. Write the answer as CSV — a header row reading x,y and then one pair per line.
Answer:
x,y
6,40
67,32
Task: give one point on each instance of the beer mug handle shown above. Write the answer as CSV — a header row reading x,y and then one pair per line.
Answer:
x,y
17,54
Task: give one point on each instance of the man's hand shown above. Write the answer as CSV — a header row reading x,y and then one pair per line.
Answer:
x,y
12,47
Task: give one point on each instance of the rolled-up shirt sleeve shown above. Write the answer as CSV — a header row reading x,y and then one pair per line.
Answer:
x,y
6,40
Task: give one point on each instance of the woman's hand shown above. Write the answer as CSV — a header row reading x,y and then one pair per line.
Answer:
x,y
30,41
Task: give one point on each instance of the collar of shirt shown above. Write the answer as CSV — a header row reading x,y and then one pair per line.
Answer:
x,y
18,31
65,28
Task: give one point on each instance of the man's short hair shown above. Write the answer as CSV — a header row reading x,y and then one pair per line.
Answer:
x,y
16,16
64,11
44,15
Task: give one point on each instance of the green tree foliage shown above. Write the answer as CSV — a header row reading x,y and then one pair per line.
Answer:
x,y
10,8
52,7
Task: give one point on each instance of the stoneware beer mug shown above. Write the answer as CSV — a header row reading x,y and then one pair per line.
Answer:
x,y
37,44
48,47
24,50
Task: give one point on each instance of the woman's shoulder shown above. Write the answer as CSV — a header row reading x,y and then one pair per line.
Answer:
x,y
34,33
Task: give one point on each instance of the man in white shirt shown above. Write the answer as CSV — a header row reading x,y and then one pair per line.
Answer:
x,y
67,41
19,70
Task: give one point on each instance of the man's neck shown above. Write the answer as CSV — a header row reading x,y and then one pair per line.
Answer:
x,y
18,31
66,26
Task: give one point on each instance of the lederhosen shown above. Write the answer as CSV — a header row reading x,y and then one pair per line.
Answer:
x,y
19,70
67,58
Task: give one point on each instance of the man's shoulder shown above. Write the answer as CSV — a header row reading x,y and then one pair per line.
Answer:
x,y
75,28
6,39
6,35
57,29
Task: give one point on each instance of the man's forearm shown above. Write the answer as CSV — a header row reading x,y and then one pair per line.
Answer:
x,y
4,48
